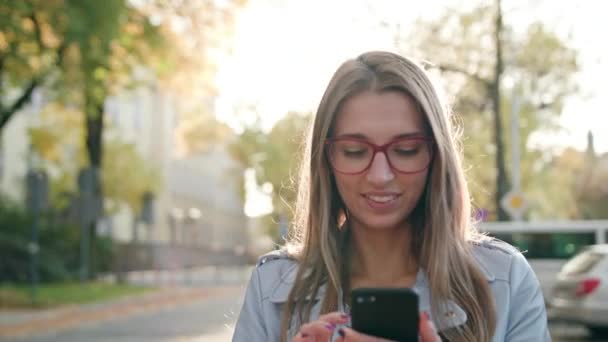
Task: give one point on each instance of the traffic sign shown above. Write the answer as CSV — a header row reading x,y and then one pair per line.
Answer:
x,y
515,204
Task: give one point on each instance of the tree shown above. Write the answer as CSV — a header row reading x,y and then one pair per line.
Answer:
x,y
31,49
275,156
199,131
95,47
280,160
126,175
590,184
484,52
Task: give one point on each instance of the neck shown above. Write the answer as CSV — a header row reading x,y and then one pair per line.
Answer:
x,y
382,258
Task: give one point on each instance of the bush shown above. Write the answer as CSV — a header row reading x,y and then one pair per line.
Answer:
x,y
59,247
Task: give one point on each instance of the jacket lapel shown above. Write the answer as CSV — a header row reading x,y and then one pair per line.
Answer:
x,y
451,314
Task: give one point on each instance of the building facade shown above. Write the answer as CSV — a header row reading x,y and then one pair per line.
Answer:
x,y
199,203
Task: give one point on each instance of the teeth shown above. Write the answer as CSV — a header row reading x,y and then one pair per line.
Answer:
x,y
382,199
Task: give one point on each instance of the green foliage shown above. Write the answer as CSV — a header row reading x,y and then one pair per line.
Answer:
x,y
591,185
198,132
538,66
127,176
59,247
56,294
281,160
28,39
275,156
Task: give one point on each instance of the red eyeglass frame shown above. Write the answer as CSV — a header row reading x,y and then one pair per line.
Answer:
x,y
380,148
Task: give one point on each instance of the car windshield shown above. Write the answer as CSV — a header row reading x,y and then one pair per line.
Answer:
x,y
582,263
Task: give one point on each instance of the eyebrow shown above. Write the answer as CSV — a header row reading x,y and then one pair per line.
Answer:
x,y
398,136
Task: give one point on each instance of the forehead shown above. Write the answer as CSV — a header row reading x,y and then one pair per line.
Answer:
x,y
379,116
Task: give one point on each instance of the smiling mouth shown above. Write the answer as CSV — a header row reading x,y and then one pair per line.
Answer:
x,y
381,198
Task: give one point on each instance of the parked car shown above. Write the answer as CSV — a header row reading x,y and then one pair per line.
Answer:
x,y
580,294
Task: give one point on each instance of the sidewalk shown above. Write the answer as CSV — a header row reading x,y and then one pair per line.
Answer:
x,y
32,322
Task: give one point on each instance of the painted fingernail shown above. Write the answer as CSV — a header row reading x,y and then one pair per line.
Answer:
x,y
330,327
341,332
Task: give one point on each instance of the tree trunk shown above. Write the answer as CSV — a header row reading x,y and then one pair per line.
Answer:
x,y
502,183
94,122
94,142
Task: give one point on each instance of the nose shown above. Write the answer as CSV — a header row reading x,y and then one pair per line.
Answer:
x,y
380,171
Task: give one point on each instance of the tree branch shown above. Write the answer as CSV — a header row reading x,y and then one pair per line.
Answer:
x,y
6,114
458,70
22,100
37,30
2,60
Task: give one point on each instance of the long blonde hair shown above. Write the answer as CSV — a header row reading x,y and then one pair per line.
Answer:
x,y
442,232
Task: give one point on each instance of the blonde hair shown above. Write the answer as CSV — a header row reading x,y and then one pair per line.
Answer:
x,y
442,232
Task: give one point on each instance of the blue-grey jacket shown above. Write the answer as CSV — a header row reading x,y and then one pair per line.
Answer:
x,y
521,314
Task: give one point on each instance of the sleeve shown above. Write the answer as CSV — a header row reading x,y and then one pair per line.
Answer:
x,y
250,325
527,319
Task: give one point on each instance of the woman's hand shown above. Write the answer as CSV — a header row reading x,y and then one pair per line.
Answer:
x,y
322,329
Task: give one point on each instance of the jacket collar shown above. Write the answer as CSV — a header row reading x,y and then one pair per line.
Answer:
x,y
285,283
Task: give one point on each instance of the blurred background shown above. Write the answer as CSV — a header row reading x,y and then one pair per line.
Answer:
x,y
149,148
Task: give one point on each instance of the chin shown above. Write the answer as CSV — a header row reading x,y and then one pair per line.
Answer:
x,y
382,223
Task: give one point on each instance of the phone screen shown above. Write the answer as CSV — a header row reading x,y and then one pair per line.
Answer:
x,y
390,313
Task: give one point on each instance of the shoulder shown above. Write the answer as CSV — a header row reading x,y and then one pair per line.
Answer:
x,y
499,260
276,272
275,255
519,299
259,318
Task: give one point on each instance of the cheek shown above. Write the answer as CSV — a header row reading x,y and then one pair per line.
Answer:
x,y
346,186
415,183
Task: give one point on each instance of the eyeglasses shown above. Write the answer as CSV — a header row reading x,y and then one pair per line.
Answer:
x,y
405,155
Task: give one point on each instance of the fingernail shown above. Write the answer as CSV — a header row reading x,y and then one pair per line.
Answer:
x,y
426,315
330,327
341,332
345,316
304,335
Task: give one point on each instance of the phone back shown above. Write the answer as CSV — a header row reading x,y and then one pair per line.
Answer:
x,y
390,313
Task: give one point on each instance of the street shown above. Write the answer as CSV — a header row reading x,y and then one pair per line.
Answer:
x,y
204,320
561,332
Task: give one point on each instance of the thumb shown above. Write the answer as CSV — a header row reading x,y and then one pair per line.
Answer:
x,y
428,332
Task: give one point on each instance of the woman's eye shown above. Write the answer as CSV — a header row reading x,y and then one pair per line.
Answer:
x,y
354,152
406,152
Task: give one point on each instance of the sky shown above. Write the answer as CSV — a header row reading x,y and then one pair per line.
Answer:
x,y
285,52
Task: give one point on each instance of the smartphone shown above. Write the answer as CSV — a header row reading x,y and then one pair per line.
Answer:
x,y
390,313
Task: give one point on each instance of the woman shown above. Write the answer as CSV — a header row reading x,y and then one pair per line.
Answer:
x,y
383,202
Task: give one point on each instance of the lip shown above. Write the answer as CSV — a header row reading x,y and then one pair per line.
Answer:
x,y
381,206
381,193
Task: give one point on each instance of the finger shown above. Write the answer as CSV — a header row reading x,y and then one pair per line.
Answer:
x,y
349,335
317,330
428,332
335,318
301,338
